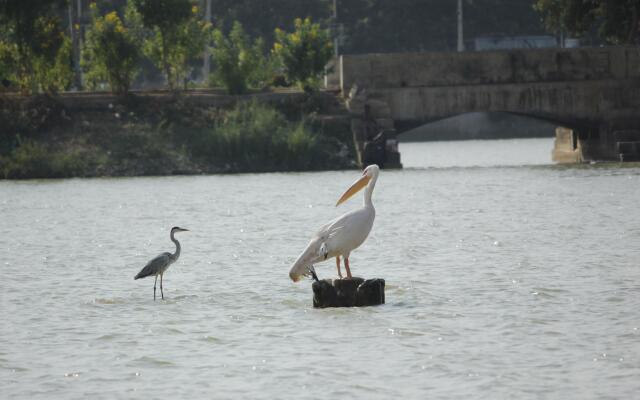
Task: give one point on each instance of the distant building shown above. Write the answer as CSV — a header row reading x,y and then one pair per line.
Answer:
x,y
514,42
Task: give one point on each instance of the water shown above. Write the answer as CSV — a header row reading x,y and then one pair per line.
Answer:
x,y
502,282
477,153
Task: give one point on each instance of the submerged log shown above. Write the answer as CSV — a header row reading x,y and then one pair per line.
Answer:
x,y
353,292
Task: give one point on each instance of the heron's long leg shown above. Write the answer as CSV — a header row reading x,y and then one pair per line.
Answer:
x,y
161,292
338,266
154,288
346,266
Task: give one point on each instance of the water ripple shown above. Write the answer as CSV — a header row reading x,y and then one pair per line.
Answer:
x,y
501,283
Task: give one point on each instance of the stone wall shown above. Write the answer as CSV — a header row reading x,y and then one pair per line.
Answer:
x,y
89,101
573,104
402,70
575,87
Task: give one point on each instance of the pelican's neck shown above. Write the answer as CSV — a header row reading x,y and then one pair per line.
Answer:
x,y
174,240
368,191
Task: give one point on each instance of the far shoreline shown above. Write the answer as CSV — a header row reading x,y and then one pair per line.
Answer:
x,y
161,133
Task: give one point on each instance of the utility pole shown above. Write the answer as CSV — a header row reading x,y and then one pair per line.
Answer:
x,y
77,82
460,24
335,28
80,43
206,68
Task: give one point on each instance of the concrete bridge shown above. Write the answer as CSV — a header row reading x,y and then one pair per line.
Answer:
x,y
593,94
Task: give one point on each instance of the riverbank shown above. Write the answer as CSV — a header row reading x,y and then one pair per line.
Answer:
x,y
160,133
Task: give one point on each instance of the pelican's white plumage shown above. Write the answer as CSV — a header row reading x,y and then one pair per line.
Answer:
x,y
342,235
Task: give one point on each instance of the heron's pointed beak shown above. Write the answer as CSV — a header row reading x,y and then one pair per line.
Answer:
x,y
355,188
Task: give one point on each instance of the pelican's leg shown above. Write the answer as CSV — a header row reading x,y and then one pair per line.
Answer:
x,y
346,266
338,266
154,288
161,292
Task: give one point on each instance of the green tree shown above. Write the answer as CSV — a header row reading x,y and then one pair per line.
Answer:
x,y
259,17
238,62
303,53
617,21
620,21
35,51
110,53
177,36
373,26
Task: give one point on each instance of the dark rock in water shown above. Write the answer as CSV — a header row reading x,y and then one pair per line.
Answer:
x,y
354,292
324,294
370,293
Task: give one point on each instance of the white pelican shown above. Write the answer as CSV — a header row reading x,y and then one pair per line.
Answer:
x,y
342,235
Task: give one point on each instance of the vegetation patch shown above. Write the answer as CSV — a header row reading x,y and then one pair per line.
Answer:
x,y
138,136
257,137
36,160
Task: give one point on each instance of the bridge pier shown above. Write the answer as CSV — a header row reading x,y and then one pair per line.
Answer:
x,y
613,140
567,149
373,129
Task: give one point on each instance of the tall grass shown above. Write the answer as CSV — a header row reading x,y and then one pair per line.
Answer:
x,y
257,137
35,160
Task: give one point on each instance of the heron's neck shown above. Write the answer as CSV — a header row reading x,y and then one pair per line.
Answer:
x,y
368,191
177,253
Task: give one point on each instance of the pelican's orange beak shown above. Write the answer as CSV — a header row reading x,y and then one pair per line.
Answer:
x,y
355,188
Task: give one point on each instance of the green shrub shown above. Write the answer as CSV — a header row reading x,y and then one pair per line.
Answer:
x,y
31,118
302,148
303,53
110,53
130,144
56,75
176,35
35,160
238,63
6,61
37,59
34,51
257,137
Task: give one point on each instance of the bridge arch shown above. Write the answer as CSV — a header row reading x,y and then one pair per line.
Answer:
x,y
479,125
587,89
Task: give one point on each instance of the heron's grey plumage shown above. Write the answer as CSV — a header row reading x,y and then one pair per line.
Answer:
x,y
161,263
156,266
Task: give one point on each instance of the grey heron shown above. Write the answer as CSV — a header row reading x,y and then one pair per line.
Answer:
x,y
161,262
